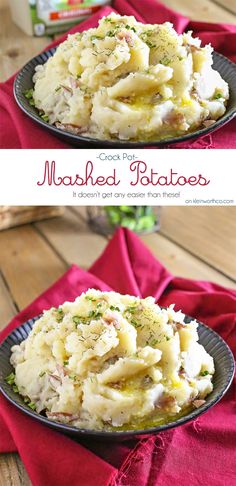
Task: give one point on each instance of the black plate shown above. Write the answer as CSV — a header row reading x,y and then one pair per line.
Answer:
x,y
213,343
23,82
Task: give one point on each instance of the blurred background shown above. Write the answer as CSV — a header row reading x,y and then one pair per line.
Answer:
x,y
16,47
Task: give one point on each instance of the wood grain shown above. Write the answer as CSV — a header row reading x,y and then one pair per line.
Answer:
x,y
12,471
209,233
227,4
80,246
202,10
181,263
28,263
7,306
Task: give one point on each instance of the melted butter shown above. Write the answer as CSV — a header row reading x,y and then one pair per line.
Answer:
x,y
185,102
158,417
152,421
144,103
141,105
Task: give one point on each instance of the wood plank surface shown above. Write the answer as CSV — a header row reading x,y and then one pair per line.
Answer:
x,y
80,245
7,307
207,232
227,4
202,10
28,263
182,263
12,471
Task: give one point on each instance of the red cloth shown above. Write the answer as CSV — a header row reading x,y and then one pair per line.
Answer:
x,y
201,452
18,131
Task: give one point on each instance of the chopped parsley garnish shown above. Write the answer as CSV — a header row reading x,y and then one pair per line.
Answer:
x,y
131,310
165,61
32,405
135,323
77,319
29,96
42,374
57,89
154,342
114,308
128,27
29,93
45,118
147,41
204,373
150,44
29,403
95,314
66,362
72,377
90,298
217,96
10,379
111,33
59,315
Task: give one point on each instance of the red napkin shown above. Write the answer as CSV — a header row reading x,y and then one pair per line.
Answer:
x,y
18,131
202,452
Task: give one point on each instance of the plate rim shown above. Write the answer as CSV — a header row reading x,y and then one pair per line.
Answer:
x,y
67,136
75,431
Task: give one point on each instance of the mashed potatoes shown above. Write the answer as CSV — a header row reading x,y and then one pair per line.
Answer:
x,y
109,360
129,81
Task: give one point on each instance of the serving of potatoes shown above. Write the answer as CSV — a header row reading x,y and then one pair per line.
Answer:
x,y
128,81
111,361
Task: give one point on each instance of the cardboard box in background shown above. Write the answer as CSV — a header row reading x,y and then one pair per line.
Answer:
x,y
48,17
11,216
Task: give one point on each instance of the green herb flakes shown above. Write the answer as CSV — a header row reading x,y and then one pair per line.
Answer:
x,y
217,96
59,315
32,405
29,93
204,373
114,308
10,379
90,298
45,118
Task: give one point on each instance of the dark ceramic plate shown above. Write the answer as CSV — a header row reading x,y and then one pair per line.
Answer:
x,y
23,82
213,343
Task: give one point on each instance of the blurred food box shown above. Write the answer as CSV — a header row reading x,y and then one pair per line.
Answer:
x,y
16,215
47,17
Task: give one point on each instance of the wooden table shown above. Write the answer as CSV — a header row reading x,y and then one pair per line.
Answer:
x,y
198,243
16,48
